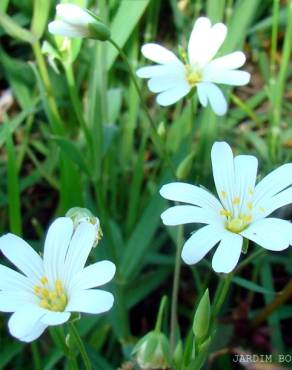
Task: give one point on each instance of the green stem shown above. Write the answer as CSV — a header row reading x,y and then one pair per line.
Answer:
x,y
223,288
175,288
156,138
36,356
80,345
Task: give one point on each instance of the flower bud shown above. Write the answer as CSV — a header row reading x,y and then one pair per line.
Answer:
x,y
79,215
161,129
75,21
152,351
202,318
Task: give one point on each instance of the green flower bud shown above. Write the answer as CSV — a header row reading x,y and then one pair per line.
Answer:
x,y
178,355
161,129
79,215
202,318
152,351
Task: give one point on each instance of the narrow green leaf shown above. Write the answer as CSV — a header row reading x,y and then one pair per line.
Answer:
x,y
14,30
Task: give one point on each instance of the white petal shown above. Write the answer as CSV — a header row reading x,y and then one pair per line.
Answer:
x,y
174,75
11,301
56,246
36,331
22,323
79,249
154,71
22,256
171,96
200,243
64,29
158,54
12,280
55,318
245,168
230,61
205,41
94,275
273,183
179,215
207,90
226,76
269,205
91,301
228,252
223,172
182,192
74,14
270,233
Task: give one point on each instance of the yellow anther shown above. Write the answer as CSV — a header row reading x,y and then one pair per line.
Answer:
x,y
45,293
236,201
249,205
59,286
44,280
37,289
261,209
247,218
193,76
63,299
53,295
223,194
224,212
45,304
250,191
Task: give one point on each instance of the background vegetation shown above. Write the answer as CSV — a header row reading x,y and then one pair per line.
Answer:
x,y
73,133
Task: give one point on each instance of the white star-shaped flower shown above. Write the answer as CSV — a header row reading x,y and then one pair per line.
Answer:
x,y
47,290
241,211
172,79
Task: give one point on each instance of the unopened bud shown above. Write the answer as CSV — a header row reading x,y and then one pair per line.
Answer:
x,y
185,167
202,318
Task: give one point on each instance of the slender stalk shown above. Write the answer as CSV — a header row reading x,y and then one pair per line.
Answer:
x,y
160,314
36,356
175,287
223,288
80,345
156,138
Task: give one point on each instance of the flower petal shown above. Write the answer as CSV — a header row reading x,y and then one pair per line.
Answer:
x,y
12,280
226,76
245,169
205,40
174,94
79,249
11,301
211,92
179,215
273,183
158,54
155,71
270,233
22,256
230,61
64,29
182,192
170,80
25,320
94,275
269,205
200,243
36,332
52,318
74,14
223,172
56,246
228,252
90,301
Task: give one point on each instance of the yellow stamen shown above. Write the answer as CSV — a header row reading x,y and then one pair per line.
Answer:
x,y
261,209
224,212
44,280
250,191
249,205
236,201
223,194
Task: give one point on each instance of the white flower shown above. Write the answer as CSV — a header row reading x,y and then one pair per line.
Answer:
x,y
48,290
173,79
241,211
73,21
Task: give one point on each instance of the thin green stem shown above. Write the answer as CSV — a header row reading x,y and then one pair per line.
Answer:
x,y
160,314
175,288
80,345
223,288
156,138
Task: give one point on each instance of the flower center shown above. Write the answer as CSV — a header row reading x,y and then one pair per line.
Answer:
x,y
193,75
238,224
51,299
